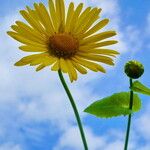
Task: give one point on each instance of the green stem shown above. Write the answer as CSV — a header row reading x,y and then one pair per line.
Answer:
x,y
129,118
74,109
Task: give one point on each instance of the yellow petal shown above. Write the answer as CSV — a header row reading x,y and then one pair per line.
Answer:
x,y
23,40
90,65
53,15
46,61
31,31
31,48
82,19
70,76
97,45
69,17
32,21
47,17
60,12
93,16
97,27
28,59
99,58
75,16
71,70
44,17
35,62
26,34
100,51
33,14
40,67
56,66
98,37
63,65
49,61
79,68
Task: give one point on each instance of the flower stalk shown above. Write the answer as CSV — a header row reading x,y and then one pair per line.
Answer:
x,y
129,118
74,109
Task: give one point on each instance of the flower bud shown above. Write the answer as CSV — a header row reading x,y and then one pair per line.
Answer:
x,y
134,69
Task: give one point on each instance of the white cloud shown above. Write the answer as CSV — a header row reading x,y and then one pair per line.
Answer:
x,y
142,124
110,8
70,140
144,147
9,146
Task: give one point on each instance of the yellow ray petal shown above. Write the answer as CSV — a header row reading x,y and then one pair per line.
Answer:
x,y
35,62
56,66
97,45
69,17
63,65
31,48
105,43
79,68
53,15
30,30
70,75
23,40
98,37
47,17
60,12
99,58
75,16
43,62
28,59
93,16
46,61
44,17
71,70
40,67
90,65
66,69
97,27
33,13
26,34
32,21
49,61
82,18
100,51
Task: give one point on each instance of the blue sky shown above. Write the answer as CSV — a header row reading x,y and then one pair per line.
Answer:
x,y
35,113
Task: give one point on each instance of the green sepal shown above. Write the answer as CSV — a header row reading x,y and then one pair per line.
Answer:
x,y
115,105
140,88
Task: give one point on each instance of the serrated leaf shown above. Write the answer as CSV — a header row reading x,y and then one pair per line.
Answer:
x,y
140,88
115,105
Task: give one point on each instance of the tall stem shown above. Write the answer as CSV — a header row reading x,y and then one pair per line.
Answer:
x,y
129,118
74,109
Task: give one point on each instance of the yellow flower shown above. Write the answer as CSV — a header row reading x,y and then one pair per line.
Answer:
x,y
69,42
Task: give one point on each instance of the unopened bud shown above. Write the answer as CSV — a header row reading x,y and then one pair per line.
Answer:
x,y
134,69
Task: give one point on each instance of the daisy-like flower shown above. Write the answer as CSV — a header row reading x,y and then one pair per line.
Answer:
x,y
69,42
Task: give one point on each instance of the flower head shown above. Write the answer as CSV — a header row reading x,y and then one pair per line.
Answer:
x,y
69,42
134,69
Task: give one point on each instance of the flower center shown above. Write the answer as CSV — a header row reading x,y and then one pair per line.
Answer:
x,y
63,45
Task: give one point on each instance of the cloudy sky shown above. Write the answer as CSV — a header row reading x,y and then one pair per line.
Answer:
x,y
35,113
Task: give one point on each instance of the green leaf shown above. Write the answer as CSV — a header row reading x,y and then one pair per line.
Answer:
x,y
115,105
140,88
